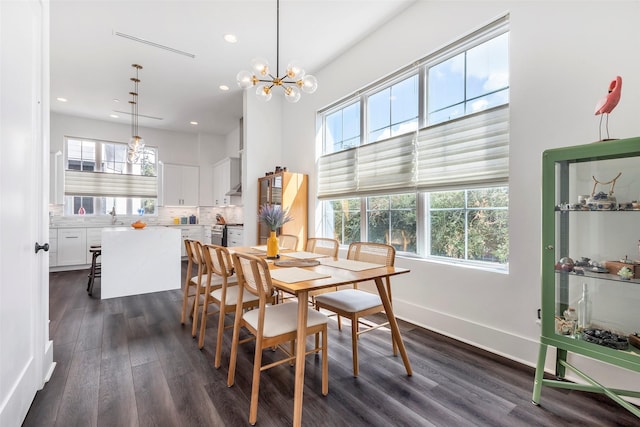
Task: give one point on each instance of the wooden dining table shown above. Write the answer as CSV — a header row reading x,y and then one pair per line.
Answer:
x,y
334,276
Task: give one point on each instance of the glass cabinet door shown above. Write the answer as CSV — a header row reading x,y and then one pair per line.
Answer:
x,y
595,234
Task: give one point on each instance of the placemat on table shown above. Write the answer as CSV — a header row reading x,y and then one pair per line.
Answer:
x,y
295,274
305,255
350,264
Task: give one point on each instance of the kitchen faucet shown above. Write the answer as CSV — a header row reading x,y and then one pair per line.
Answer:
x,y
113,215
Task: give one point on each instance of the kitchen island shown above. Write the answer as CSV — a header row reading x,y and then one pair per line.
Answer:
x,y
140,261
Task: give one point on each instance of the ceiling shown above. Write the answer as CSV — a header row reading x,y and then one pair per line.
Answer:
x,y
91,65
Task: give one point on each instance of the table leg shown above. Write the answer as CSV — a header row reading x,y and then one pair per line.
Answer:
x,y
395,330
300,357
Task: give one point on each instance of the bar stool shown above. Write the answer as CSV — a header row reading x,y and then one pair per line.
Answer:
x,y
96,251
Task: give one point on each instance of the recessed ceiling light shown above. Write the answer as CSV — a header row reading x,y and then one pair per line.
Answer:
x,y
223,87
194,123
114,116
230,38
62,99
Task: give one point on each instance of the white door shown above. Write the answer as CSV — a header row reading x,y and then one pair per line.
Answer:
x,y
25,349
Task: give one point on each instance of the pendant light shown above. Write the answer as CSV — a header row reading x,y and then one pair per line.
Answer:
x,y
136,143
293,81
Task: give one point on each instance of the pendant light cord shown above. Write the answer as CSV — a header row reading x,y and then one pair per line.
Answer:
x,y
277,38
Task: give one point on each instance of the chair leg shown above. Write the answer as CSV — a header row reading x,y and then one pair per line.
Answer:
x,y
185,300
255,387
325,362
196,306
221,319
354,344
234,346
203,321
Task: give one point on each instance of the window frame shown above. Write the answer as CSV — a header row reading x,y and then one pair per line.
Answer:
x,y
124,204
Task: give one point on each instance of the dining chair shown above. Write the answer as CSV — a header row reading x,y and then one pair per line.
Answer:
x,y
194,284
355,303
192,278
272,325
220,266
288,241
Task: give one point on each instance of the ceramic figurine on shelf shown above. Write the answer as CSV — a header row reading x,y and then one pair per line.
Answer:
x,y
608,103
603,201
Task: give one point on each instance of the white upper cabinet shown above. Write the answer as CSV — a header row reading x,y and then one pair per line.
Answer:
x,y
180,185
217,180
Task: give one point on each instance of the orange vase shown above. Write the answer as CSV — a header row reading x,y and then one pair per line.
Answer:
x,y
272,245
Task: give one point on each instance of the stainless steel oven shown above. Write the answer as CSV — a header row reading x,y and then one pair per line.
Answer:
x,y
219,235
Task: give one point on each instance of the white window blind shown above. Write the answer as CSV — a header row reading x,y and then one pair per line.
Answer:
x,y
83,183
337,174
468,152
386,166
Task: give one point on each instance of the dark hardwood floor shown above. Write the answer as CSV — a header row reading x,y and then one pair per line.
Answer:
x,y
129,362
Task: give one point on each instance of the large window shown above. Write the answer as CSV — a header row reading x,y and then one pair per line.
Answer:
x,y
393,110
342,128
471,81
98,179
469,225
425,163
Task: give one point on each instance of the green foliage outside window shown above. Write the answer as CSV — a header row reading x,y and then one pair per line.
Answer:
x,y
470,224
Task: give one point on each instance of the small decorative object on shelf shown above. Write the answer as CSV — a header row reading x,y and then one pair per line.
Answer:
x,y
274,217
607,103
625,273
584,309
605,338
603,201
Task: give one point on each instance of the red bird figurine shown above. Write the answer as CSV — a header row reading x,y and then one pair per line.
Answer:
x,y
609,102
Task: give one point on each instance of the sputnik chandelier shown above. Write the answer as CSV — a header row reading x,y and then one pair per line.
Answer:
x,y
292,82
136,143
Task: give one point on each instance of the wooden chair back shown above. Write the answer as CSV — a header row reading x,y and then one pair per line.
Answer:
x,y
218,260
253,276
288,241
323,245
377,253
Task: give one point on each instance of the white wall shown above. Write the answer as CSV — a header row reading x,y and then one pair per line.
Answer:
x,y
563,54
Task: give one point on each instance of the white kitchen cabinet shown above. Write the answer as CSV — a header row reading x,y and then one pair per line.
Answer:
x,y
206,186
53,247
226,176
72,246
194,232
180,185
94,238
235,236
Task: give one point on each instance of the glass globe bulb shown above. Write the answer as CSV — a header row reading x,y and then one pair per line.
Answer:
x,y
295,70
309,83
244,79
264,93
260,66
136,143
292,94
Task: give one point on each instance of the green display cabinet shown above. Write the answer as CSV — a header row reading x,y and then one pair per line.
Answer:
x,y
591,231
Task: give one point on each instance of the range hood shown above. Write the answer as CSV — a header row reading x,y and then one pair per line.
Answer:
x,y
235,191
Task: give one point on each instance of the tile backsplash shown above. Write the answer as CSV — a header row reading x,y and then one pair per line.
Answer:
x,y
166,215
